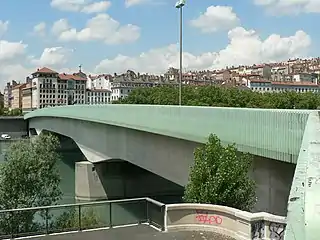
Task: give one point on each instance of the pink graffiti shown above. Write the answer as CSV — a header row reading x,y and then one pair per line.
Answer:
x,y
205,218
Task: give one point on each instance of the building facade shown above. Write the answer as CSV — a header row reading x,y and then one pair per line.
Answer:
x,y
27,97
98,96
269,86
49,89
17,96
1,100
7,94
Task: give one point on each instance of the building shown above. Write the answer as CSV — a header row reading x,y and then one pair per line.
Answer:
x,y
49,88
98,96
125,83
17,96
269,86
7,98
71,89
1,100
105,88
27,97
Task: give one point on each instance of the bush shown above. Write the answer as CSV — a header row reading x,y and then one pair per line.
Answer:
x,y
220,175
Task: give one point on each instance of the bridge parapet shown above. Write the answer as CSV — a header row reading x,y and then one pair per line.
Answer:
x,y
224,220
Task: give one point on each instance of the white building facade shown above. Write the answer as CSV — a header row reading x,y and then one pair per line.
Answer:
x,y
54,89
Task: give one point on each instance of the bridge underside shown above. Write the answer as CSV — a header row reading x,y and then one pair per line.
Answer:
x,y
167,157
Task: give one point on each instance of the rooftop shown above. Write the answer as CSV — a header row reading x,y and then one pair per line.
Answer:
x,y
45,70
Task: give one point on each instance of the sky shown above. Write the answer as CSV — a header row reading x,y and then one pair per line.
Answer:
x,y
143,35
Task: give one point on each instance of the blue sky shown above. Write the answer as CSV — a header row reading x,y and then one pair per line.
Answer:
x,y
143,35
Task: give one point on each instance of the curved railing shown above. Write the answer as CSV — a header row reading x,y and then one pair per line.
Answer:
x,y
224,220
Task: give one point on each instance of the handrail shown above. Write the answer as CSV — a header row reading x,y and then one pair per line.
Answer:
x,y
83,204
153,213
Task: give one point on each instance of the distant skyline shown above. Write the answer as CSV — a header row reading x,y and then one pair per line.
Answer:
x,y
142,35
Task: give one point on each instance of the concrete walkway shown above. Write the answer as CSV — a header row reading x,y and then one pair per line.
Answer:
x,y
141,232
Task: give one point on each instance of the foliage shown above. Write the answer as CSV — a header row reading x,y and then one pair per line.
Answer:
x,y
29,177
217,96
70,220
12,112
220,175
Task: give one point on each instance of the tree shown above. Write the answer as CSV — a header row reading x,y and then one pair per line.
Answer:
x,y
29,177
218,96
220,175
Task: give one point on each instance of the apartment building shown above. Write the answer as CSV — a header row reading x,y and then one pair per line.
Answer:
x,y
270,86
49,88
16,93
7,98
98,96
27,96
1,100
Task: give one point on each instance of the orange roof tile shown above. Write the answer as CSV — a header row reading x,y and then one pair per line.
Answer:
x,y
45,70
64,76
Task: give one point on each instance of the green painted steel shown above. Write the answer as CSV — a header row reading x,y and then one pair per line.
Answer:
x,y
270,133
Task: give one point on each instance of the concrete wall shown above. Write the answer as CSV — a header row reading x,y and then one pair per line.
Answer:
x,y
228,221
15,127
168,157
273,179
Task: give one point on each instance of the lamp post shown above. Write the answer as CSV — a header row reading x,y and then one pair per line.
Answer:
x,y
179,5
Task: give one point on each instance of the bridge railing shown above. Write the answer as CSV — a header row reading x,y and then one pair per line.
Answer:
x,y
224,220
26,222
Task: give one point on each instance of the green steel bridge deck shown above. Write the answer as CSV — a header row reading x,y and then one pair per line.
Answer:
x,y
285,135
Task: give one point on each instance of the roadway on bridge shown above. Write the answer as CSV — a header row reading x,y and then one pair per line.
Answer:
x,y
141,232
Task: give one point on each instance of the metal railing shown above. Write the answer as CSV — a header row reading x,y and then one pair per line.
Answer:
x,y
46,220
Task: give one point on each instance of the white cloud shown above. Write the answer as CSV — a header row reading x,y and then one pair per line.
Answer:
x,y
18,66
40,29
216,18
3,27
282,7
99,28
11,50
14,71
245,47
86,6
96,7
10,54
130,3
55,56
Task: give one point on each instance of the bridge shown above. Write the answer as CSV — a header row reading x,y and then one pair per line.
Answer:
x,y
161,139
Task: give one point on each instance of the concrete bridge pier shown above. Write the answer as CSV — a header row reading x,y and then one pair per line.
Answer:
x,y
88,186
118,179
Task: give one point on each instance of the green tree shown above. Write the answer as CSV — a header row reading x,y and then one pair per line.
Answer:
x,y
29,177
220,175
218,96
15,112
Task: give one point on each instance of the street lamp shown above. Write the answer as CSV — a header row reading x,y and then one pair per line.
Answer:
x,y
179,5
